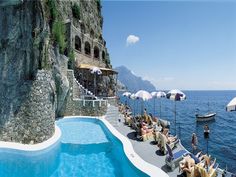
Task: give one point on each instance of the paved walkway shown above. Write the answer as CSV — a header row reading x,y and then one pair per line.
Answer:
x,y
147,150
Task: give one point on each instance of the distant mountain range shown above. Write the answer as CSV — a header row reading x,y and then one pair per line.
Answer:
x,y
132,82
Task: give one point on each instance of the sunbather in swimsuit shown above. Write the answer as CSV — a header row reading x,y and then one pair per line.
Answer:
x,y
170,139
188,164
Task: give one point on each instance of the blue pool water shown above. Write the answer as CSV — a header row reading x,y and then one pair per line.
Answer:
x,y
87,148
222,141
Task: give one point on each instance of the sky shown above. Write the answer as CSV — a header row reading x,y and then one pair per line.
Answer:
x,y
187,45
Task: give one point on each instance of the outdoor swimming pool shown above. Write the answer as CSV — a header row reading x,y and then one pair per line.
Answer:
x,y
86,148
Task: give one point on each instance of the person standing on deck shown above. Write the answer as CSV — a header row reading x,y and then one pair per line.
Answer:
x,y
194,142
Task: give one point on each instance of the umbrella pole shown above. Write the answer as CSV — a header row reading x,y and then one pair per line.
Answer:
x,y
160,108
207,146
154,106
133,107
94,83
175,117
142,108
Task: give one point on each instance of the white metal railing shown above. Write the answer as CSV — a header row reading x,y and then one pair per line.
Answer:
x,y
85,91
88,94
99,101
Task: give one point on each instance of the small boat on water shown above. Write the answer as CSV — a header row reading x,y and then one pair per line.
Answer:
x,y
205,117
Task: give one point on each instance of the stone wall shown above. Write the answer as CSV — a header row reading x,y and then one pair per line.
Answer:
x,y
33,120
80,107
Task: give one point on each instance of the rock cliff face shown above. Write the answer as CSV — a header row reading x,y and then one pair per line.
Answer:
x,y
24,85
33,73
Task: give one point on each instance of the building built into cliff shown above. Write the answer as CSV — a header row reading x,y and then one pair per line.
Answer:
x,y
86,40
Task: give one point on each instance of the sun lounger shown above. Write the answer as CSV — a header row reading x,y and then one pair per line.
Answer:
x,y
172,159
134,123
211,172
163,141
156,136
147,134
137,129
128,120
153,123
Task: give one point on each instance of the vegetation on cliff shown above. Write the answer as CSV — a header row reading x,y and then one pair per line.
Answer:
x,y
57,26
76,11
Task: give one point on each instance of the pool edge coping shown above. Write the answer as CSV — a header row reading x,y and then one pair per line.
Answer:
x,y
33,147
134,158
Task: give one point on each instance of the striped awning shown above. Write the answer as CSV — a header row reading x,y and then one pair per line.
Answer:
x,y
105,71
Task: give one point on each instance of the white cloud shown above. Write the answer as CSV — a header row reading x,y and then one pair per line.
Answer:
x,y
132,39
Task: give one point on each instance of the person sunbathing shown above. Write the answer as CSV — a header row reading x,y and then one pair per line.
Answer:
x,y
128,119
187,164
145,129
208,163
170,139
197,158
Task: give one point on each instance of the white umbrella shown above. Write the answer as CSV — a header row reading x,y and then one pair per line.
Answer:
x,y
95,71
159,95
133,96
154,94
144,95
231,106
127,95
176,95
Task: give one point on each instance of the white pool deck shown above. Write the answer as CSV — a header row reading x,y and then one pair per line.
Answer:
x,y
147,150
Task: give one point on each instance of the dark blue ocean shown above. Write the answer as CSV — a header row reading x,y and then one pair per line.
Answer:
x,y
222,140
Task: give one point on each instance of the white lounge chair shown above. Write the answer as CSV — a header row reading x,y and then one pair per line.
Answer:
x,y
172,159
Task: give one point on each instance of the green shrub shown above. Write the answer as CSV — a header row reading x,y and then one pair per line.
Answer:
x,y
72,55
58,32
53,9
71,60
76,11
